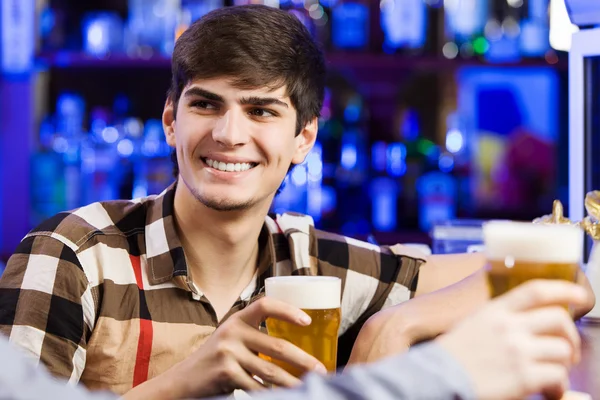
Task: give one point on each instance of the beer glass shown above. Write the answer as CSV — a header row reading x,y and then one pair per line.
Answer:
x,y
319,297
518,251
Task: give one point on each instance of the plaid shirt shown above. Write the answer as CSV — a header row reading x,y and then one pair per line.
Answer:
x,y
102,294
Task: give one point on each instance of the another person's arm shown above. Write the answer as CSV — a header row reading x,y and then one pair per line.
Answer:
x,y
21,379
450,287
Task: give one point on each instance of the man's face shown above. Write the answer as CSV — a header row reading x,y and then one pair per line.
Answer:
x,y
234,147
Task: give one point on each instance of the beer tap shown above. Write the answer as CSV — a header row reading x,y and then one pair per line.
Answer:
x,y
590,224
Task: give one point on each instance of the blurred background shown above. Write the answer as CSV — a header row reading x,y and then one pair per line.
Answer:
x,y
438,113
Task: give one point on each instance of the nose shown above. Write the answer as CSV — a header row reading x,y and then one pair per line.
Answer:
x,y
229,131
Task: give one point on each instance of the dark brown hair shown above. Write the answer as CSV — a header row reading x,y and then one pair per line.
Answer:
x,y
256,46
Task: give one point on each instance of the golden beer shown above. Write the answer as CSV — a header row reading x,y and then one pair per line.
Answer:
x,y
517,252
319,297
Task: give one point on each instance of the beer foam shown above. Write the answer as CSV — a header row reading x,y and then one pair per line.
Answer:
x,y
306,292
532,242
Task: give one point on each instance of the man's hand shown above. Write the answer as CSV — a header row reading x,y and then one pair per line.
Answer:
x,y
229,358
521,343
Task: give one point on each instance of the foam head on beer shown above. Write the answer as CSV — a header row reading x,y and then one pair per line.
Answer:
x,y
520,251
306,292
319,297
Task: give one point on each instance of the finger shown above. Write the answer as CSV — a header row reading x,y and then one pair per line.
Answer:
x,y
547,378
554,321
239,379
556,392
541,293
266,307
267,371
549,349
280,349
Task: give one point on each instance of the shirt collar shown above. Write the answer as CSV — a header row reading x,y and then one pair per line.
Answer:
x,y
165,255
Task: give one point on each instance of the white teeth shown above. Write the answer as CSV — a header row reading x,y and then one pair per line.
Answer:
x,y
229,167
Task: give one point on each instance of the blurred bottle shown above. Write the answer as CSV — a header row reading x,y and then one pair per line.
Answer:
x,y
404,24
153,170
99,159
152,26
192,10
350,24
47,174
70,115
102,33
437,199
17,34
384,197
129,149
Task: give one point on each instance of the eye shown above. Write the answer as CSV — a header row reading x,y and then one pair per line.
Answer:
x,y
205,105
261,112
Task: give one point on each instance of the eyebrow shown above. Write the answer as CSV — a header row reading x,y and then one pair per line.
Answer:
x,y
199,92
262,101
252,100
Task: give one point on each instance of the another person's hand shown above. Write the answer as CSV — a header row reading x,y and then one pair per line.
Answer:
x,y
229,358
521,343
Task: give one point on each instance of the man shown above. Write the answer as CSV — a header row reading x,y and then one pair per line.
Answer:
x,y
518,345
119,293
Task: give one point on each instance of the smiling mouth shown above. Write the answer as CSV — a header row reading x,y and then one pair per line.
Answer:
x,y
228,167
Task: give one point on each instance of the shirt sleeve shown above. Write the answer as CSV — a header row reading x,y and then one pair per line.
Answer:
x,y
45,303
373,277
425,372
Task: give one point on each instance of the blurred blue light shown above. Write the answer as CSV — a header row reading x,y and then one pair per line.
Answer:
x,y
314,202
404,24
150,147
328,3
378,156
396,159
98,126
60,145
95,37
47,20
299,176
446,163
454,141
384,207
110,134
349,155
314,164
350,23
140,190
125,147
410,127
133,127
352,112
88,160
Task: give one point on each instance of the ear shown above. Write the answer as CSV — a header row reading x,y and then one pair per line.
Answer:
x,y
168,120
305,141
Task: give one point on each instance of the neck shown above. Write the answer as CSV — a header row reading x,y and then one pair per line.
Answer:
x,y
221,247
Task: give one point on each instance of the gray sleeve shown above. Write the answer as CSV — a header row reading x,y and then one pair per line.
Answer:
x,y
425,372
20,379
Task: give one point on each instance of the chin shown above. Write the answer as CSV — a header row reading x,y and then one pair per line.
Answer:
x,y
223,202
226,205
